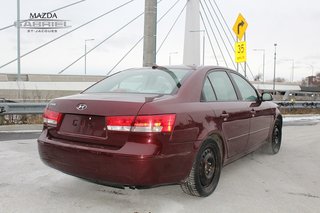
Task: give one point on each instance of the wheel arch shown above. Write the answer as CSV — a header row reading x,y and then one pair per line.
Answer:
x,y
217,137
279,118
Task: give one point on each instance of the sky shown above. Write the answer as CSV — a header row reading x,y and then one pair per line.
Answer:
x,y
293,25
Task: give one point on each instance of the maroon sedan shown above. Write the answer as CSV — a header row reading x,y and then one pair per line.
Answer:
x,y
156,126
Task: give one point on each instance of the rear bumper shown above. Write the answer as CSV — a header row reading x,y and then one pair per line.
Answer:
x,y
138,165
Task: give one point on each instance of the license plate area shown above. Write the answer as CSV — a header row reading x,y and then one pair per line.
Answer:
x,y
86,125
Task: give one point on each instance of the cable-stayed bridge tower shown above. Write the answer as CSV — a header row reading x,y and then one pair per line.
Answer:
x,y
191,52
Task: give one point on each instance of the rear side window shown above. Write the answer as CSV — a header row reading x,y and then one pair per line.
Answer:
x,y
207,92
247,92
222,86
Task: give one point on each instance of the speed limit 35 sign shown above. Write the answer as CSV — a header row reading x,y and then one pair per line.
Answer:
x,y
241,51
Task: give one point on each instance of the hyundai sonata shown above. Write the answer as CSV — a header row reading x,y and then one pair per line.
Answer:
x,y
155,126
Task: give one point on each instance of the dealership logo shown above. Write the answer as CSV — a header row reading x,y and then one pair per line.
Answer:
x,y
82,107
44,22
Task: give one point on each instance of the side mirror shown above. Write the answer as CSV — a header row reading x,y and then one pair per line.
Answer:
x,y
266,97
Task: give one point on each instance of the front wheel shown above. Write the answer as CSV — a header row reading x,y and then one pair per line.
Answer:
x,y
205,172
274,144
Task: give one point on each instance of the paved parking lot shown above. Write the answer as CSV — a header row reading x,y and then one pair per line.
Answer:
x,y
287,182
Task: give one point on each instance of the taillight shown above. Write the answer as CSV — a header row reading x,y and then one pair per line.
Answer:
x,y
144,123
154,123
51,117
120,123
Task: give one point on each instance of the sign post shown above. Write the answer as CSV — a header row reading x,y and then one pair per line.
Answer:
x,y
239,28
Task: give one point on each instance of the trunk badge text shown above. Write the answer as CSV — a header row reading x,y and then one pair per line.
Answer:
x,y
82,107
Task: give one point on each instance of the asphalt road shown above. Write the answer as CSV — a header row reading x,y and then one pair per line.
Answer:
x,y
17,136
286,182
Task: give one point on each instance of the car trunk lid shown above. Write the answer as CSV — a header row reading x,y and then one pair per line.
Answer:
x,y
84,117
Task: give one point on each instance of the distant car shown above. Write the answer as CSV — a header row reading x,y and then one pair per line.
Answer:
x,y
156,126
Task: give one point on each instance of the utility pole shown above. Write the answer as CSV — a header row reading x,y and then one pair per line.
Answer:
x,y
150,33
18,40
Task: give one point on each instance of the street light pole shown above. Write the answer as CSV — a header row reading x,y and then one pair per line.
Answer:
x,y
18,40
274,69
292,74
85,55
171,53
203,42
263,61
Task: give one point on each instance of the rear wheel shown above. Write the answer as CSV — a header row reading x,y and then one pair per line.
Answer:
x,y
205,172
274,144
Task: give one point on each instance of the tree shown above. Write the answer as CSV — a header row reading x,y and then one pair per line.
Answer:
x,y
258,77
279,79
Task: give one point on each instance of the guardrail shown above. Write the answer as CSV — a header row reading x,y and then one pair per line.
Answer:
x,y
37,108
21,108
299,104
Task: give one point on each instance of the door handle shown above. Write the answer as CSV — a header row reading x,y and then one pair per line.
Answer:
x,y
224,115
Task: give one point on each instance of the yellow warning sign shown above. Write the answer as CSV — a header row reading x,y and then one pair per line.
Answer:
x,y
241,51
240,27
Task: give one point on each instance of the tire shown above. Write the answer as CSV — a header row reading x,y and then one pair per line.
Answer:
x,y
205,173
274,144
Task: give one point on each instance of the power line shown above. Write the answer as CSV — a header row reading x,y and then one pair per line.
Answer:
x,y
117,31
60,8
172,27
49,42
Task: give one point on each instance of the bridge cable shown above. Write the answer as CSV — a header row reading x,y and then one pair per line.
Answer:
x,y
49,42
168,10
60,8
125,55
113,34
215,24
175,22
229,30
136,44
206,29
215,37
225,33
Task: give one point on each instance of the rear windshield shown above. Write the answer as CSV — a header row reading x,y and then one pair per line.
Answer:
x,y
158,81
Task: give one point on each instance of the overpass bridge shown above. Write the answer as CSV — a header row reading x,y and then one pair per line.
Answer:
x,y
38,87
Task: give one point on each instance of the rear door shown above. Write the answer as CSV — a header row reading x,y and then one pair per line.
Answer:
x,y
233,116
